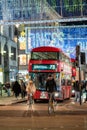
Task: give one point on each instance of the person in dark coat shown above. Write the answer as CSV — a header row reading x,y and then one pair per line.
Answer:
x,y
77,91
23,89
16,89
51,86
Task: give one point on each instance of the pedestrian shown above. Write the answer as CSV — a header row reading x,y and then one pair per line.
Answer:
x,y
77,91
23,89
85,90
51,86
30,89
7,88
12,84
16,89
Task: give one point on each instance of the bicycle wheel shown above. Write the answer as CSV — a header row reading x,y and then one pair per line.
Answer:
x,y
30,102
50,107
54,105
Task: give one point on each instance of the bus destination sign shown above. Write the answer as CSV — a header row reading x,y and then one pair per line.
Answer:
x,y
43,67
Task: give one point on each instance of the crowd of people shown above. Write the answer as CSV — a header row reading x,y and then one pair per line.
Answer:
x,y
23,89
20,88
16,88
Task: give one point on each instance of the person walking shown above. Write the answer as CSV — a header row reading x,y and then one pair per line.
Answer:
x,y
7,87
16,89
85,90
77,91
23,89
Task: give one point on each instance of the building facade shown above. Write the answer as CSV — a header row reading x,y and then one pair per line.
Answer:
x,y
8,59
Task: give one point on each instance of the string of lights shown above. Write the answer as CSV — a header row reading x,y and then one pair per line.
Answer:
x,y
37,12
2,22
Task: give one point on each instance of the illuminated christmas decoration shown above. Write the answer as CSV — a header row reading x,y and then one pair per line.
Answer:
x,y
41,11
64,37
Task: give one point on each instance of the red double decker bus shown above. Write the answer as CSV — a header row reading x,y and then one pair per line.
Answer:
x,y
50,60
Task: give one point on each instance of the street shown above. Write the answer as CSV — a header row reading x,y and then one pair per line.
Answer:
x,y
41,109
64,122
66,117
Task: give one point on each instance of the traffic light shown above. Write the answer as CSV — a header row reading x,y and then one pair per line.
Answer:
x,y
82,57
77,55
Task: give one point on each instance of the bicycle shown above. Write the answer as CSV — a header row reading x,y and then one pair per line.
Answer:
x,y
30,101
52,103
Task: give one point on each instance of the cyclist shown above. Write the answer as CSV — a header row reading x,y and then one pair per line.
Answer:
x,y
51,86
30,89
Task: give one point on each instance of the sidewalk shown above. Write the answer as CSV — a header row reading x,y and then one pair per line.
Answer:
x,y
75,107
5,100
10,100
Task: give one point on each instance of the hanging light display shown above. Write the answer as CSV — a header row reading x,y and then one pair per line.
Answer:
x,y
14,12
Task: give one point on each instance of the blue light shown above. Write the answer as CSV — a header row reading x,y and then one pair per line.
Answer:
x,y
65,38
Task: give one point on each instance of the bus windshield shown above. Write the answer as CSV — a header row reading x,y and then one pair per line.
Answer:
x,y
41,78
45,55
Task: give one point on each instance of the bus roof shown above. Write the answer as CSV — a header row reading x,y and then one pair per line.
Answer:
x,y
46,49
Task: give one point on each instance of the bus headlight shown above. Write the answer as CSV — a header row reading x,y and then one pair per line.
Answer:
x,y
73,91
56,94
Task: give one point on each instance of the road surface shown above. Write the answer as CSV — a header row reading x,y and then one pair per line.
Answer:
x,y
59,122
19,117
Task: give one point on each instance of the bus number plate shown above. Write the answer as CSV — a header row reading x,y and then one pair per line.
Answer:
x,y
43,95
